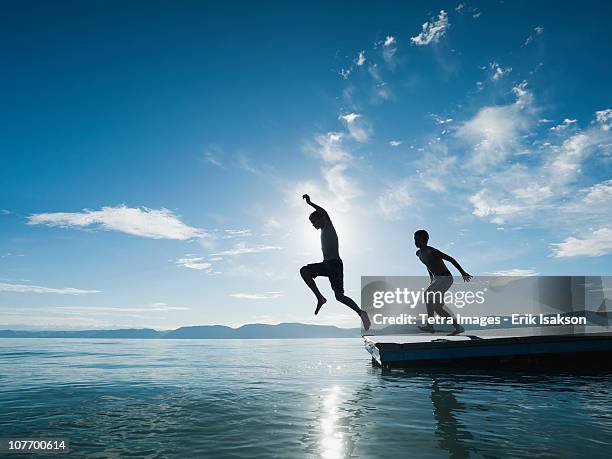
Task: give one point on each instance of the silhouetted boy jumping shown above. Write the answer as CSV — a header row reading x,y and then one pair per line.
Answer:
x,y
331,266
441,278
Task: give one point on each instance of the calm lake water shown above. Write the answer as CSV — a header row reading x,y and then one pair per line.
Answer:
x,y
289,398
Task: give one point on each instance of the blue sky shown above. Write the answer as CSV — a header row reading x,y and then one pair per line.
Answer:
x,y
154,154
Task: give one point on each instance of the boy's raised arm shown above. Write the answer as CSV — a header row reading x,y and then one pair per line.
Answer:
x,y
455,263
317,207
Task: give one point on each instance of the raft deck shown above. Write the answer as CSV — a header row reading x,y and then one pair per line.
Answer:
x,y
416,350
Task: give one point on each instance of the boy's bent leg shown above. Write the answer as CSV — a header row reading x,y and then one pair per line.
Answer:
x,y
342,298
308,277
430,313
443,312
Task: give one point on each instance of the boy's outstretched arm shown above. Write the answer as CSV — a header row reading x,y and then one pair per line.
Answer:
x,y
455,263
319,208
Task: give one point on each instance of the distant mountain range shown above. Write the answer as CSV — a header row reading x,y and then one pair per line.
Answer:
x,y
250,331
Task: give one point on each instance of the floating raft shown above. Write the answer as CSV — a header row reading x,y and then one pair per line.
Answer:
x,y
567,350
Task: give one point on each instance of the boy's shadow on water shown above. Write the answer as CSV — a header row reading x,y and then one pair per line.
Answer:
x,y
452,432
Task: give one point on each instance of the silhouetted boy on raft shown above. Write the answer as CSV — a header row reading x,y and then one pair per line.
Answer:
x,y
331,266
441,278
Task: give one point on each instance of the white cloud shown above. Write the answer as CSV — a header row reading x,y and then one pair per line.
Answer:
x,y
257,296
440,120
519,272
272,224
95,310
566,163
381,88
231,233
498,71
137,221
395,143
563,126
395,201
358,126
539,30
437,169
597,243
604,118
494,132
544,191
194,263
432,30
345,73
242,249
361,59
485,204
341,185
330,147
25,288
599,193
388,51
246,164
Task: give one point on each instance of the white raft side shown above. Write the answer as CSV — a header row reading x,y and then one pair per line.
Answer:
x,y
413,339
514,332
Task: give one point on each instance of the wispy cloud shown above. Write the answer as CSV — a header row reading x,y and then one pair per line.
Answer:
x,y
519,272
194,263
497,71
495,131
329,147
564,125
257,296
389,49
538,30
212,155
604,118
242,249
136,221
381,92
246,164
594,244
359,128
395,201
231,233
544,190
361,59
26,288
111,310
395,143
440,120
432,31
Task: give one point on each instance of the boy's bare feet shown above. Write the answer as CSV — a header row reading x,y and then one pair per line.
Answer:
x,y
322,300
458,330
366,320
427,328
